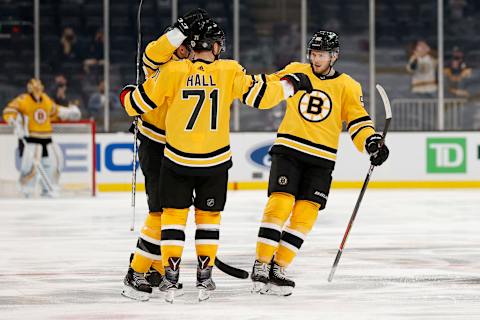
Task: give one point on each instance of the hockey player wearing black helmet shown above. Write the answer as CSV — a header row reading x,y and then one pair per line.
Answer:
x,y
303,159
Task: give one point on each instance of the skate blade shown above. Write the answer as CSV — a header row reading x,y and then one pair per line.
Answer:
x,y
131,293
258,287
170,295
274,290
178,292
204,294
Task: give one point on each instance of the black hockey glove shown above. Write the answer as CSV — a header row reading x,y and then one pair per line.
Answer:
x,y
377,149
190,21
299,81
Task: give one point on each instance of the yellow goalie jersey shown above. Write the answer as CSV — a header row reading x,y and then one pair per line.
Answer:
x,y
313,121
198,95
36,114
158,52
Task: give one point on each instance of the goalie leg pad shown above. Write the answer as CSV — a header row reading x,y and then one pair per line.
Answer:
x,y
28,173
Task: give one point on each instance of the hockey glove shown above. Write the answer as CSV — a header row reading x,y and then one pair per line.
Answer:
x,y
128,88
377,149
189,22
299,81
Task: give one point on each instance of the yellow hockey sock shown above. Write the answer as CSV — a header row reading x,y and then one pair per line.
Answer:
x,y
277,211
173,233
302,220
207,233
148,245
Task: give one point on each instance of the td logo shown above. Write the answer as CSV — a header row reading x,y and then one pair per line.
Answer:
x,y
446,155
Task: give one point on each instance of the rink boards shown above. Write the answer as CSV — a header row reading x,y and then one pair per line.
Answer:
x,y
417,160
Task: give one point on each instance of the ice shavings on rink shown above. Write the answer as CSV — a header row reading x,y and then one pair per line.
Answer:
x,y
411,255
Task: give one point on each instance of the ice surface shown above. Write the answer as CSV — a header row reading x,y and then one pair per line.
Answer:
x,y
412,254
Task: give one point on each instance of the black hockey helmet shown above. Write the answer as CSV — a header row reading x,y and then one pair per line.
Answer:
x,y
324,41
210,33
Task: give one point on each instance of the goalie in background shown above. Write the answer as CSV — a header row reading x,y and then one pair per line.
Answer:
x,y
31,114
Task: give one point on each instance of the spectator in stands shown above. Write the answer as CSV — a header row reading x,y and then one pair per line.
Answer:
x,y
456,72
423,65
69,47
58,91
456,8
97,101
95,52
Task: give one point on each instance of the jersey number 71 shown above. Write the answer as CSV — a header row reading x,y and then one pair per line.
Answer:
x,y
200,93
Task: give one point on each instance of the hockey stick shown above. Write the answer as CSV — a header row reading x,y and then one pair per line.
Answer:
x,y
388,118
135,120
231,271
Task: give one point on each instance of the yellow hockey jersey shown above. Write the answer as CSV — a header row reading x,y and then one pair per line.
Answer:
x,y
312,123
36,114
157,53
198,95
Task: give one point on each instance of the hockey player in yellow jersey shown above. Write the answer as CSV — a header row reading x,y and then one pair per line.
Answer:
x,y
146,268
198,95
303,158
31,114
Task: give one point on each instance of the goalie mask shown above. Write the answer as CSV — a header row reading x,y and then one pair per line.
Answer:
x,y
204,39
35,86
324,41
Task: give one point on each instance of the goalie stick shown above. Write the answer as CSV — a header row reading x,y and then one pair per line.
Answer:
x,y
135,120
388,118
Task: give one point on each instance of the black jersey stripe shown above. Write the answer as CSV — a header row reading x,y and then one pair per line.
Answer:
x,y
260,94
309,143
153,128
198,155
361,119
173,234
207,234
145,97
134,105
292,239
152,61
149,247
245,95
269,233
146,65
360,129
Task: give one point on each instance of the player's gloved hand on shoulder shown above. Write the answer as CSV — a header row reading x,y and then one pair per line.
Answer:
x,y
299,81
128,88
377,149
189,21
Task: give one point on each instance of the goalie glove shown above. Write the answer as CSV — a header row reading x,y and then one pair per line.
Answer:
x,y
299,81
70,113
191,21
377,149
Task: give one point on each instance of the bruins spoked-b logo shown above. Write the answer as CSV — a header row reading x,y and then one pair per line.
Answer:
x,y
282,180
315,106
40,116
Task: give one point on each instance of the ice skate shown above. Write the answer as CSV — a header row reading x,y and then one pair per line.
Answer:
x,y
170,283
278,283
136,286
260,276
205,284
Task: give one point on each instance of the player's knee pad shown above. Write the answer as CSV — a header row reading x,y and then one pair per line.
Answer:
x,y
304,215
173,233
207,234
56,159
278,209
28,173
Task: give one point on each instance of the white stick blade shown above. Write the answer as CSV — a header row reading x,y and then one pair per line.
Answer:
x,y
386,101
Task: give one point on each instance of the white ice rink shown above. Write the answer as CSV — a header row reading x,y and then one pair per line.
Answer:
x,y
412,254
